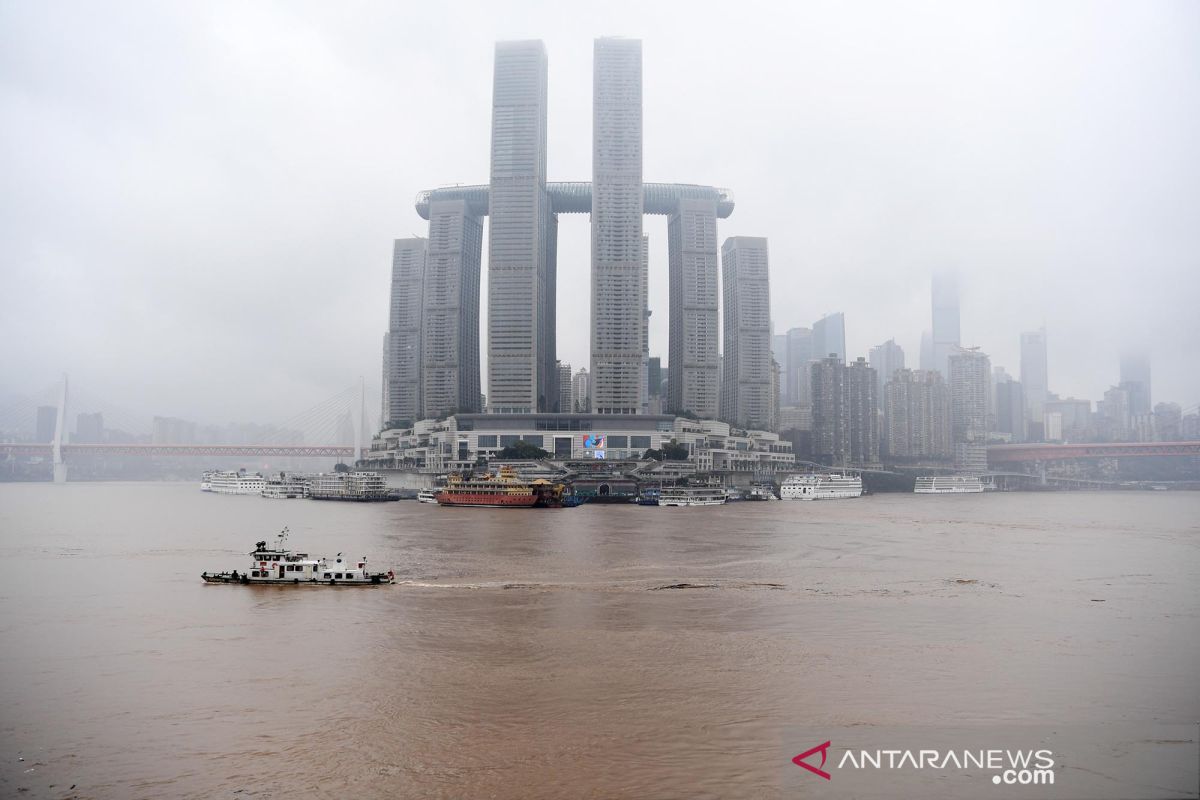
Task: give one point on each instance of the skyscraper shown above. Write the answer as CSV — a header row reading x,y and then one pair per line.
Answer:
x,y
885,359
926,359
747,378
402,356
618,287
521,280
450,322
1009,406
829,336
800,354
1135,376
1034,379
563,403
862,408
779,353
829,413
581,390
693,382
945,331
918,415
970,372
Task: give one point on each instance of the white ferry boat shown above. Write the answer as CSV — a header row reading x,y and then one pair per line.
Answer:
x,y
234,482
821,486
284,488
761,493
691,496
949,484
357,486
206,480
427,496
278,565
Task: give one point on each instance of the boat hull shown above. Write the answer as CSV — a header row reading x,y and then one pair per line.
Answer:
x,y
483,500
245,580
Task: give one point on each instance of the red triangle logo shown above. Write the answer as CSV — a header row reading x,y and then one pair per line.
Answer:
x,y
800,762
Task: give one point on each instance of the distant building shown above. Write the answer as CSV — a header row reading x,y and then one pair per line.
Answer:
x,y
564,404
654,376
693,381
926,361
1167,422
829,336
450,322
1075,419
747,376
862,407
171,430
885,359
402,344
1034,378
1010,408
970,380
1135,377
918,415
797,372
779,353
581,391
89,428
945,330
830,443
47,421
1114,414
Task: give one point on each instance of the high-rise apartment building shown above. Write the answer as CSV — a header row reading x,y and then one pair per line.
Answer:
x,y
748,377
800,354
693,383
581,390
1034,379
885,359
618,285
402,344
1009,407
829,336
945,331
970,382
1135,376
521,237
917,415
563,403
830,444
450,321
862,408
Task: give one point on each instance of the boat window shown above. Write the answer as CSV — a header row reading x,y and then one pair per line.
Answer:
x,y
338,576
326,574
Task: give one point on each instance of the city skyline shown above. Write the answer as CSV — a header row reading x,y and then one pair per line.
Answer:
x,y
352,203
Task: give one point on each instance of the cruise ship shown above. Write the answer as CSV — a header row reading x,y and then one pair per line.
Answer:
x,y
692,496
949,484
233,482
356,486
821,486
285,487
504,489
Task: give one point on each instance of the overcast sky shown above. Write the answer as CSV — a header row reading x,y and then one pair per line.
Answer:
x,y
199,199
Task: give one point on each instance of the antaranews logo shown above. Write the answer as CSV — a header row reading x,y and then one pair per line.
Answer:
x,y
1022,767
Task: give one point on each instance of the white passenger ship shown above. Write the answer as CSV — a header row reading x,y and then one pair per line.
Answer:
x,y
428,496
278,565
285,487
232,482
821,486
949,484
691,496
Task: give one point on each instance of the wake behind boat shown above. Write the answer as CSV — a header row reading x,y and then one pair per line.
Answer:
x,y
278,565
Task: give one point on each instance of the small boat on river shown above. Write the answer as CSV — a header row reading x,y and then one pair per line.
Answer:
x,y
279,565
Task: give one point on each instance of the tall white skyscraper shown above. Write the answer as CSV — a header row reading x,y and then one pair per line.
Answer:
x,y
829,336
693,382
402,345
618,287
747,379
945,332
521,281
1034,377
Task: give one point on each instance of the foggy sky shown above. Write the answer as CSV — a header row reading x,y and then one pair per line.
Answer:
x,y
200,199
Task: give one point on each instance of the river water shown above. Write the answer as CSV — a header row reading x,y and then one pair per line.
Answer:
x,y
541,653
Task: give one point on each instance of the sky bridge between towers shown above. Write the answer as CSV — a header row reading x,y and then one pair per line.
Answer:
x,y
575,197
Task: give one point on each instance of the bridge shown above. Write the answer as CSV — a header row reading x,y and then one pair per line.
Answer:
x,y
1026,453
331,423
575,197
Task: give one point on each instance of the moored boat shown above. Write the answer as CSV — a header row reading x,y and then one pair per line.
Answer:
x,y
949,484
821,486
427,496
692,496
277,565
504,489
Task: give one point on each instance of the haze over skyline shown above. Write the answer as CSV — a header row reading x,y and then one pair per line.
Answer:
x,y
202,199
